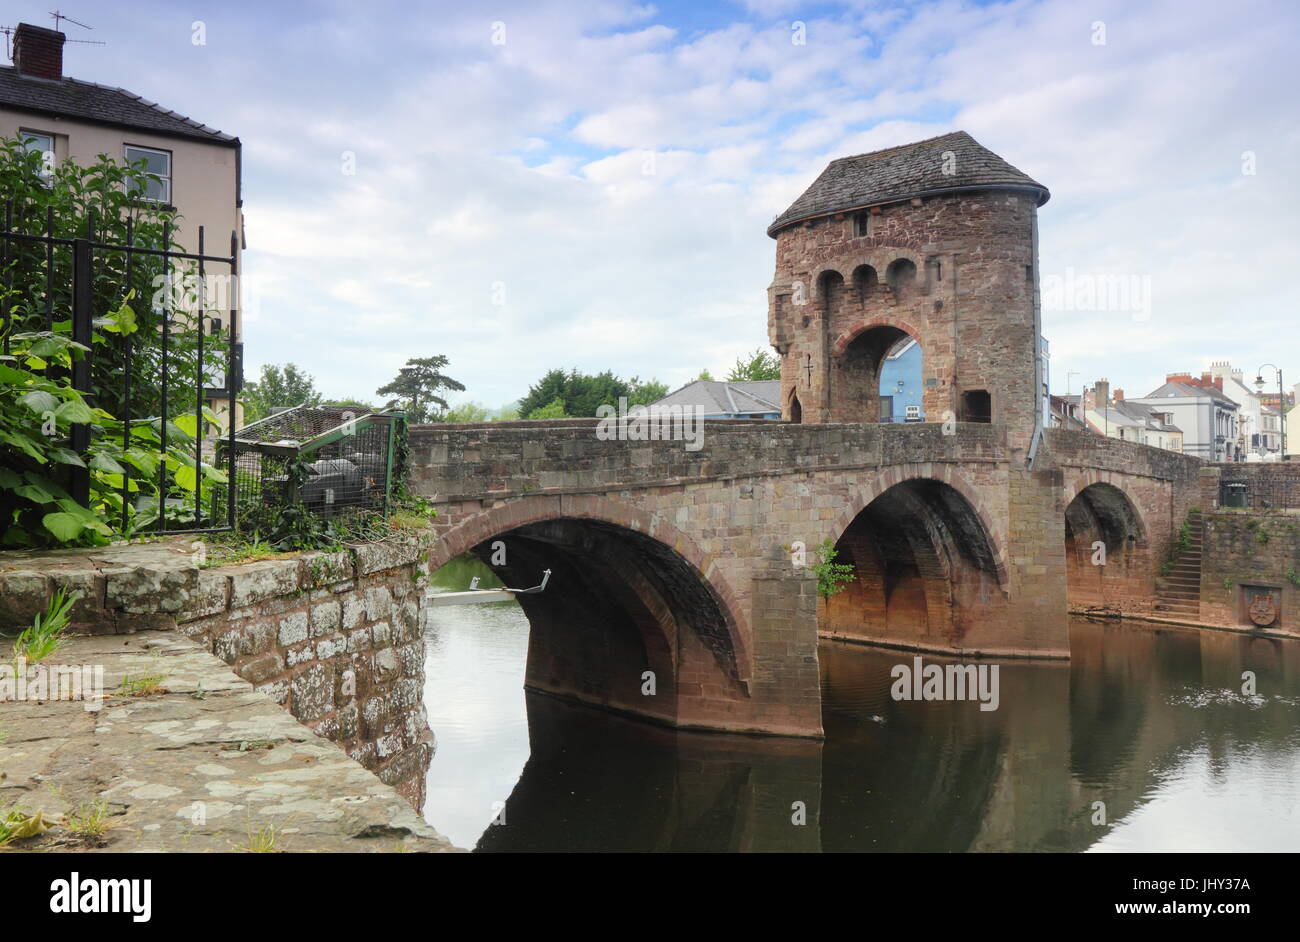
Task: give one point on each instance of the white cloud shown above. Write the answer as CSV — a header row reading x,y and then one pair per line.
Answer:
x,y
523,165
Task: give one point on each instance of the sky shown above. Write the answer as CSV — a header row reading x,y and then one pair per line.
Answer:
x,y
527,185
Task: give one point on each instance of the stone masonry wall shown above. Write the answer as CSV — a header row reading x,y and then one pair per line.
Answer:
x,y
969,305
1267,485
1248,553
335,638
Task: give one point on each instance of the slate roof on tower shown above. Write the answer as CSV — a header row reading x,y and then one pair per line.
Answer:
x,y
901,172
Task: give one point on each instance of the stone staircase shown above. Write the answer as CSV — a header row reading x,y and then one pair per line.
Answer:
x,y
1179,592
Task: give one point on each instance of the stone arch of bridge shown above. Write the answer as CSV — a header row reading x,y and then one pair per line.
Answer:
x,y
1106,482
926,557
628,593
1099,512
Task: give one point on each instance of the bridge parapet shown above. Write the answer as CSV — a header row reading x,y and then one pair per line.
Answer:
x,y
514,458
1071,448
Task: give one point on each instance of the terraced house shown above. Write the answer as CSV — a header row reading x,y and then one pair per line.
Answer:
x,y
198,167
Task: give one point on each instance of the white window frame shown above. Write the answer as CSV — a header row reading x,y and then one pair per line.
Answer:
x,y
167,179
48,158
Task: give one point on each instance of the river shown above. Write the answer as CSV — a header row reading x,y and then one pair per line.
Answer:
x,y
1144,741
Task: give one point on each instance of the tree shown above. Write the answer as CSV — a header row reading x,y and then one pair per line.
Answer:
x,y
552,410
279,386
643,394
417,386
581,394
467,412
355,403
705,376
759,365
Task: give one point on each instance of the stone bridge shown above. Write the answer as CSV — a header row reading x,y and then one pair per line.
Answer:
x,y
677,591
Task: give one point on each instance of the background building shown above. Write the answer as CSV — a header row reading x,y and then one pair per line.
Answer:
x,y
72,119
757,399
1199,408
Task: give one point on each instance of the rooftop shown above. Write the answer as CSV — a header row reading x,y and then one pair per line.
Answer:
x,y
1173,389
755,397
100,104
909,170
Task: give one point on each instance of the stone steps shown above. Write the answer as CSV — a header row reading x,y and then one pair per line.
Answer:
x,y
1178,591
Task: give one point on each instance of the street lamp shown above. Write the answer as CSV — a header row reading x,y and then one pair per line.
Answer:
x,y
1281,402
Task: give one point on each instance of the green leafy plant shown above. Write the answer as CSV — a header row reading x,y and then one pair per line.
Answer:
x,y
126,461
832,577
44,635
1293,577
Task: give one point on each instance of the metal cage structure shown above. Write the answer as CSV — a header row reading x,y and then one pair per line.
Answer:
x,y
327,459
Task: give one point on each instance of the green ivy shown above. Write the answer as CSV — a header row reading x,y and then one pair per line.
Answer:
x,y
832,577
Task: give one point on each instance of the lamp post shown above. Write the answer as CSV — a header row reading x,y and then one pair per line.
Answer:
x,y
1281,402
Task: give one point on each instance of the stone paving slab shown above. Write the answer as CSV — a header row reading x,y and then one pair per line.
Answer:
x,y
200,766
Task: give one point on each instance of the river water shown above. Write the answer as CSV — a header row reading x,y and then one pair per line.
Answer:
x,y
1144,741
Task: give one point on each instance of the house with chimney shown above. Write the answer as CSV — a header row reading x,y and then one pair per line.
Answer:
x,y
65,118
1206,416
1109,413
1259,429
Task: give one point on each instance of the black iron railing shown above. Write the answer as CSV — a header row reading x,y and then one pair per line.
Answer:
x,y
75,286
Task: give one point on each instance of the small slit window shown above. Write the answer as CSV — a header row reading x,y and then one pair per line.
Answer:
x,y
862,224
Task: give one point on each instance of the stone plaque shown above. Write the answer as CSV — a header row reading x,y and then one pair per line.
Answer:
x,y
1262,604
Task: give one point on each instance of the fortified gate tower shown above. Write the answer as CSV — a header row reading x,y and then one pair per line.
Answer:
x,y
936,240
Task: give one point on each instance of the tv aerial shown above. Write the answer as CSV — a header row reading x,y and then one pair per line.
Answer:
x,y
56,15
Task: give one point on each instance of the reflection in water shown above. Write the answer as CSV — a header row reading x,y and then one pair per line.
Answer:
x,y
1146,727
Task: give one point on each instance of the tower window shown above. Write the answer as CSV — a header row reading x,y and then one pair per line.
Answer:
x,y
976,406
862,224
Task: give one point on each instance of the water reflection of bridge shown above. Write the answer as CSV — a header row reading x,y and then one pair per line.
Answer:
x,y
1113,725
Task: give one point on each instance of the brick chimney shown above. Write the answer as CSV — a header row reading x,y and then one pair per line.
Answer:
x,y
1119,395
38,52
1209,379
1178,378
1102,390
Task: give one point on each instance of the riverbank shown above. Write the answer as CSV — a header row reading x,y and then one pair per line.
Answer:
x,y
184,756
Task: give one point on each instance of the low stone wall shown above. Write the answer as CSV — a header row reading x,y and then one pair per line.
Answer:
x,y
1248,555
335,638
1263,486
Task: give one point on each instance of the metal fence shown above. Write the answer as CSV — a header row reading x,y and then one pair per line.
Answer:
x,y
74,285
328,459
